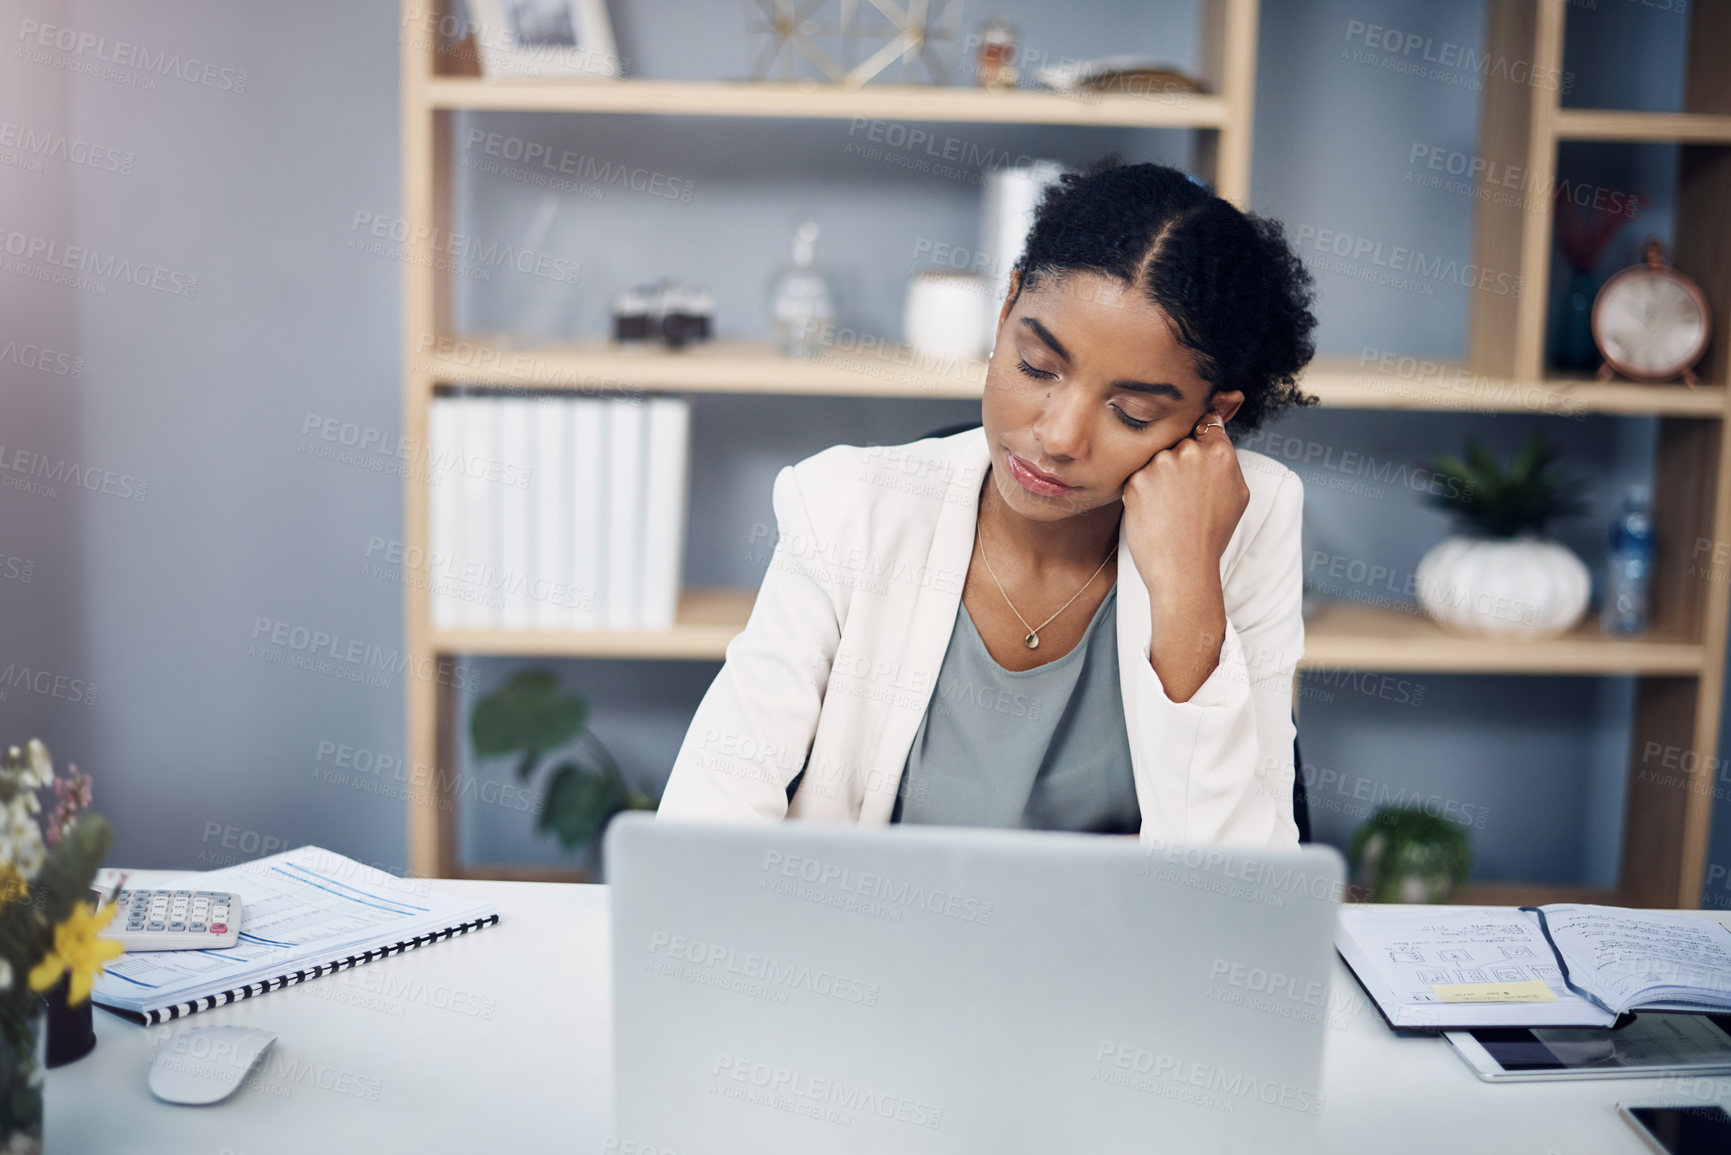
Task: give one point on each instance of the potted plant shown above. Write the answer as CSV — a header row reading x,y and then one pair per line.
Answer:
x,y
1501,575
529,717
48,929
1405,855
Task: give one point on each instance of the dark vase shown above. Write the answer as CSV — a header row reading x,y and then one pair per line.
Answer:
x,y
21,1082
71,1030
1572,344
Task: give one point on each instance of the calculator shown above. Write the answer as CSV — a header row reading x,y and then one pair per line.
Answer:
x,y
175,920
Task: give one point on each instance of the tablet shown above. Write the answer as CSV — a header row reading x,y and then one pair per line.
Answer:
x,y
1646,1043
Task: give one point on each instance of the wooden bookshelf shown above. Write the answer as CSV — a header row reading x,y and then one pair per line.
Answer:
x,y
1348,636
890,369
706,620
718,366
1666,827
1679,665
436,82
1429,386
1339,636
808,100
1638,127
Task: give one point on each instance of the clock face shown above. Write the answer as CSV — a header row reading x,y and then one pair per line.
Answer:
x,y
1649,324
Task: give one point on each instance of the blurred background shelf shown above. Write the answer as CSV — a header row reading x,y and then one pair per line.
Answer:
x,y
1342,383
1339,636
1348,636
707,619
717,366
890,369
809,100
1662,127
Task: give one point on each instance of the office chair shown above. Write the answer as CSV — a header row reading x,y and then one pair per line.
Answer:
x,y
1300,799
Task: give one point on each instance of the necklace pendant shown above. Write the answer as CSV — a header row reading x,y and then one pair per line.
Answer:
x,y
1033,641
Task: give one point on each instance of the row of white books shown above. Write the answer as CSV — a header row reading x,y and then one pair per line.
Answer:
x,y
557,513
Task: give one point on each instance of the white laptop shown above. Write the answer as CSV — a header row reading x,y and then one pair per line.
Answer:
x,y
811,988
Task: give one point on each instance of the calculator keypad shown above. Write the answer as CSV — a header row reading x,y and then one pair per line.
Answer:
x,y
175,920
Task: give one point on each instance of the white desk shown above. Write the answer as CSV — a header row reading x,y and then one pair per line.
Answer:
x,y
498,1041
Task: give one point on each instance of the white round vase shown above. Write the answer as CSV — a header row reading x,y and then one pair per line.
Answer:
x,y
1519,587
940,317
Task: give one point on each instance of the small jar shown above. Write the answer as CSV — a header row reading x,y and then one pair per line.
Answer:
x,y
632,312
686,315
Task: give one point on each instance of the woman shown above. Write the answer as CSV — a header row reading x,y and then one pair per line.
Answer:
x,y
1083,615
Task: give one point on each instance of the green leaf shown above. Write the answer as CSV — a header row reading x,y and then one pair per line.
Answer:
x,y
1410,843
70,867
527,714
578,804
1503,503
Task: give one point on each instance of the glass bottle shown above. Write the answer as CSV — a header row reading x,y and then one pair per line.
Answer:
x,y
801,306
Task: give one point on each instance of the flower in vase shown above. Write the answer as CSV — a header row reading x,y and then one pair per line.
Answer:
x,y
78,950
20,837
13,886
38,766
71,794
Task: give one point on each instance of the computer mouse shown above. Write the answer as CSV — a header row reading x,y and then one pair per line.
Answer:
x,y
205,1064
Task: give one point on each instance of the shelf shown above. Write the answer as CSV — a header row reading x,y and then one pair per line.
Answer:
x,y
897,371
718,366
518,872
728,366
1348,636
707,619
810,100
1535,894
1419,384
1653,127
1340,636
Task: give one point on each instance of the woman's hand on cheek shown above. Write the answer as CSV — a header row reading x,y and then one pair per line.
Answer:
x,y
1180,509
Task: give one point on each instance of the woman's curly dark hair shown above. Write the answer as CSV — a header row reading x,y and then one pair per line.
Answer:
x,y
1238,296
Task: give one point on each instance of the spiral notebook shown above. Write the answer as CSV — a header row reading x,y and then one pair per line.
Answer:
x,y
1562,965
305,913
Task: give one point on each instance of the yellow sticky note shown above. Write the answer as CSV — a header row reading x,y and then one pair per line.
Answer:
x,y
1531,991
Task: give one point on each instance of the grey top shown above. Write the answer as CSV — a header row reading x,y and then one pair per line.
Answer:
x,y
1042,749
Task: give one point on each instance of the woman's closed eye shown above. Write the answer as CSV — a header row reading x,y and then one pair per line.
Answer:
x,y
1043,375
1036,374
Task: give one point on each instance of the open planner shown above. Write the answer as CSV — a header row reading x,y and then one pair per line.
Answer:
x,y
305,913
1564,965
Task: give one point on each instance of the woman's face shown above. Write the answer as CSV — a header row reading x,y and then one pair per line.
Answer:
x,y
1086,384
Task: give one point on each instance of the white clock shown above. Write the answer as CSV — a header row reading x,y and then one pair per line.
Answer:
x,y
1651,322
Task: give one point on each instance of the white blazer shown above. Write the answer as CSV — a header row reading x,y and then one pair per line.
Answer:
x,y
837,662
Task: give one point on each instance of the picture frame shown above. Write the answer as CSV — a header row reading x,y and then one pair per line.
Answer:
x,y
545,40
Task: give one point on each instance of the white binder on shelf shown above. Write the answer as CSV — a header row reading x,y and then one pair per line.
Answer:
x,y
444,571
516,514
550,590
477,558
625,477
589,472
666,473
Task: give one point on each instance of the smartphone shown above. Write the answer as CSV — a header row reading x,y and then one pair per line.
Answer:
x,y
1681,1130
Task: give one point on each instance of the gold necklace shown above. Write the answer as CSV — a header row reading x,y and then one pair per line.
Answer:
x,y
1033,639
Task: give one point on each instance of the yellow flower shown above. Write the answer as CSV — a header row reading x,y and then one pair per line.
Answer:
x,y
77,949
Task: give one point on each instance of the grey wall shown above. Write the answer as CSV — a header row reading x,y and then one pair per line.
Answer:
x,y
206,741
